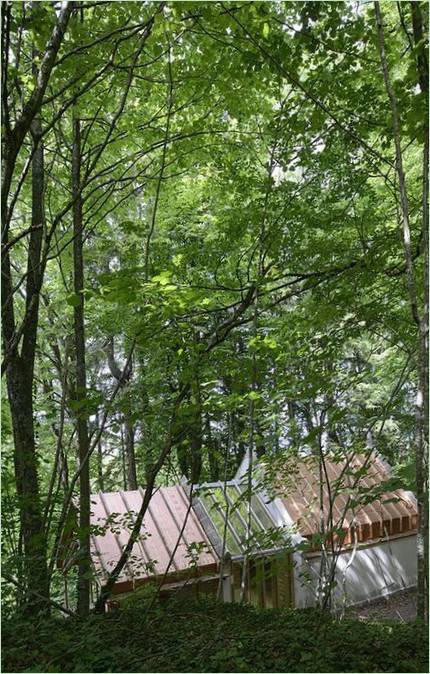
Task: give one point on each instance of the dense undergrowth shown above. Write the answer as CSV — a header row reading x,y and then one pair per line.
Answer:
x,y
211,637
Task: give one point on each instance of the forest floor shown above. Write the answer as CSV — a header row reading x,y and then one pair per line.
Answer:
x,y
207,636
401,607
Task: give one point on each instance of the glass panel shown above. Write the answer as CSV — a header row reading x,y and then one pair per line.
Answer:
x,y
234,519
261,512
235,503
241,504
216,512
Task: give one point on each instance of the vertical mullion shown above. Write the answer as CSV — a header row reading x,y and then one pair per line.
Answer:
x,y
263,581
229,524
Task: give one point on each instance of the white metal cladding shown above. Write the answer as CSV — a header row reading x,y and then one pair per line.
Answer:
x,y
370,572
225,505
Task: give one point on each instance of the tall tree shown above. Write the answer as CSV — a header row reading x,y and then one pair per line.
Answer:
x,y
19,340
20,383
123,379
419,314
84,565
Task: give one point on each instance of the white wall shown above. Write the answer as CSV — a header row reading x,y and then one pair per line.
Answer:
x,y
371,572
375,571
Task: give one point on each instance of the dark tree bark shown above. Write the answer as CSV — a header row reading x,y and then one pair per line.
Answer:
x,y
213,452
260,445
189,452
100,477
14,136
238,422
182,454
84,566
123,461
20,378
196,454
196,434
129,428
130,454
20,345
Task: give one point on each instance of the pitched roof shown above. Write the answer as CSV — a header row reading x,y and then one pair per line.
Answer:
x,y
355,489
114,514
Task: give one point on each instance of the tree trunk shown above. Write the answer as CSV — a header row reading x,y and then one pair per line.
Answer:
x,y
20,385
123,461
420,318
84,566
182,455
196,434
14,138
100,478
213,452
20,378
129,429
423,392
129,451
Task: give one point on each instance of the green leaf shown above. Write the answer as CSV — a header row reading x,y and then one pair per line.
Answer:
x,y
163,278
74,300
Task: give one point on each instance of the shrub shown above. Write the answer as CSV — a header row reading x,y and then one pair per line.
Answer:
x,y
207,636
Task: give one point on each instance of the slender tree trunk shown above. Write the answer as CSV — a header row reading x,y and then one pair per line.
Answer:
x,y
84,566
196,434
420,318
135,532
423,393
59,475
225,556
123,461
15,137
100,479
213,452
20,384
129,428
20,378
129,451
251,452
422,416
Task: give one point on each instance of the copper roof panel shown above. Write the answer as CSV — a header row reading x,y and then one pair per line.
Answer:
x,y
301,496
115,513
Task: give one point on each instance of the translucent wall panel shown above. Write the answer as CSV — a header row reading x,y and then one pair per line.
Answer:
x,y
228,509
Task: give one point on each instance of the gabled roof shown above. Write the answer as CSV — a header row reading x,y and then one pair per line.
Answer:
x,y
114,514
371,514
295,482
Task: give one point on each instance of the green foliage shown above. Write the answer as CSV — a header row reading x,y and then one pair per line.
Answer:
x,y
278,153
209,637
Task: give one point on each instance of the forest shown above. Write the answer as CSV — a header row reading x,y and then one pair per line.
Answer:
x,y
214,417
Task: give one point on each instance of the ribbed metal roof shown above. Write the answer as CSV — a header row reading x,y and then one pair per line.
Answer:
x,y
114,514
376,519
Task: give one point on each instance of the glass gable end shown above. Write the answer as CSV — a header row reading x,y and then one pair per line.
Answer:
x,y
227,508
